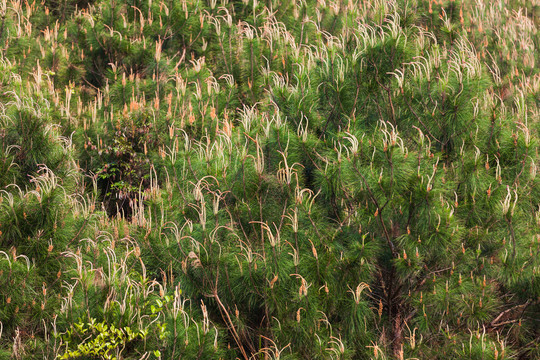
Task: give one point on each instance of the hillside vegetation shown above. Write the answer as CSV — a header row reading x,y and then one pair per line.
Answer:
x,y
270,179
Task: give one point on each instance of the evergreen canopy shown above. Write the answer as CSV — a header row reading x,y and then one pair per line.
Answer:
x,y
269,180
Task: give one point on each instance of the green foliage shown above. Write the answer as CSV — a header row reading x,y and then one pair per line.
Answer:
x,y
102,342
279,179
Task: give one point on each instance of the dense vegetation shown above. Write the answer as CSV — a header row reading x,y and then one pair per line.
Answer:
x,y
269,180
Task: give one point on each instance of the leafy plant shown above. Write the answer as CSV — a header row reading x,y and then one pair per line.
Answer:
x,y
99,340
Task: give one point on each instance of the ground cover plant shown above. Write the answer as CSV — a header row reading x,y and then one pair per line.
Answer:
x,y
269,179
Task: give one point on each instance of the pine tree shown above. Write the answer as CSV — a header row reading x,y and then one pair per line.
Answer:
x,y
278,179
